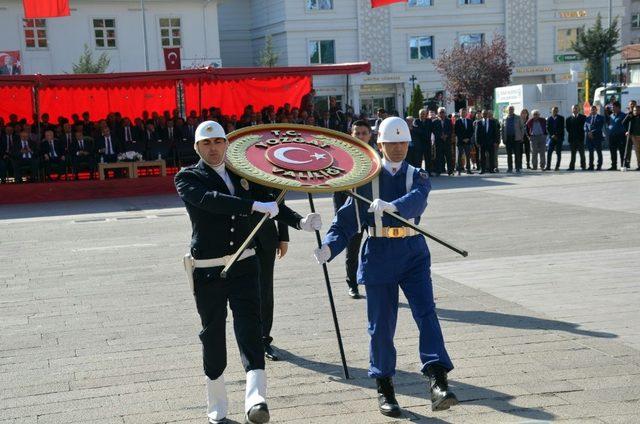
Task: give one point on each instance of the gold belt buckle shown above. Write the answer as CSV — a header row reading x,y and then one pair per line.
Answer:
x,y
396,232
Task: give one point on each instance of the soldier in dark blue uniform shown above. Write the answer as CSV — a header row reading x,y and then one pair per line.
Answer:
x,y
220,205
394,257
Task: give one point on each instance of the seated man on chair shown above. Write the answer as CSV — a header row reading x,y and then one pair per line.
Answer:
x,y
53,155
25,155
82,154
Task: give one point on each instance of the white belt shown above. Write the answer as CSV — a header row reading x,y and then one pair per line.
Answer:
x,y
392,232
210,263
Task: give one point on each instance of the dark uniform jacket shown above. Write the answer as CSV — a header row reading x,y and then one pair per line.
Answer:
x,y
555,126
221,222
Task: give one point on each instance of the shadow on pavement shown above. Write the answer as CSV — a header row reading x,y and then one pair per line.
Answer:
x,y
515,321
415,385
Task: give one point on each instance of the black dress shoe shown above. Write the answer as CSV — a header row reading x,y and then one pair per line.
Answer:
x,y
258,414
354,293
441,397
270,353
387,403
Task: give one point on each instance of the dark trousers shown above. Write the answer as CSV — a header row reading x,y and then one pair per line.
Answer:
x,y
22,163
464,150
616,146
487,157
514,148
595,145
87,161
240,290
527,151
4,165
577,146
444,156
353,248
422,151
554,146
54,164
267,258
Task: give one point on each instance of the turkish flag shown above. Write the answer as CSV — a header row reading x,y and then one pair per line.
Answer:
x,y
45,8
172,58
378,3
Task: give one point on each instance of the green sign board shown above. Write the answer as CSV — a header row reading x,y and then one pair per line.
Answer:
x,y
566,57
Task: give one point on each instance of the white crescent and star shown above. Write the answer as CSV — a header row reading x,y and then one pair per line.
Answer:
x,y
172,56
280,154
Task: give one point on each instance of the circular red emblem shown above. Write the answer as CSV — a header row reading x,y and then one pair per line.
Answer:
x,y
302,158
299,157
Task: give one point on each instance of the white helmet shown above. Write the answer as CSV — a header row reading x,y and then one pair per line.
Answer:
x,y
393,130
209,129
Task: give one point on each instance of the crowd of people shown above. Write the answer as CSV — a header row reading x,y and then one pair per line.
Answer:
x,y
466,141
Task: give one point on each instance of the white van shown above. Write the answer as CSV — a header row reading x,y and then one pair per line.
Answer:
x,y
623,94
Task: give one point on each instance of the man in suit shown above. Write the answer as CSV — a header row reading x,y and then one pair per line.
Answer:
x,y
485,132
422,127
443,131
575,130
190,129
593,129
220,205
326,121
464,132
108,146
82,153
173,136
6,150
555,131
617,137
53,155
629,139
361,130
157,148
25,155
512,132
9,67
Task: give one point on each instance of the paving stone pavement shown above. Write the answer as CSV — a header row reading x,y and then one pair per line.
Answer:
x,y
97,324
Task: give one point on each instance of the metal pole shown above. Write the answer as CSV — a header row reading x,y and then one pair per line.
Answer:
x,y
330,294
464,253
144,36
249,238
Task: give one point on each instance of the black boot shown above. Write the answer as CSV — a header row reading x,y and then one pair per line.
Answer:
x,y
441,397
258,414
387,403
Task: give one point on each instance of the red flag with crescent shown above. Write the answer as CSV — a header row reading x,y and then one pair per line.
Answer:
x,y
378,3
172,58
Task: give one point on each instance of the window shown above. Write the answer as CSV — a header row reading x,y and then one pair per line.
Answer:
x,y
170,33
104,31
635,21
470,2
319,4
420,3
321,52
420,48
35,33
565,38
471,40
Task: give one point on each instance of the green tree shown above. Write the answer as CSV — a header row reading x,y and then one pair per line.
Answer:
x,y
268,57
594,45
87,65
417,101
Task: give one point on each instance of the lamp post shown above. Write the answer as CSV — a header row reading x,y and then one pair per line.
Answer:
x,y
144,36
413,80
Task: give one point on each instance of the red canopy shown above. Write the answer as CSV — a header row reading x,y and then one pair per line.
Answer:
x,y
131,93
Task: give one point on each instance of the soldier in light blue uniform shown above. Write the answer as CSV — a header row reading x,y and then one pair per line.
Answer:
x,y
394,257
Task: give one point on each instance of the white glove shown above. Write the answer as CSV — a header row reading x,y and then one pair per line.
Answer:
x,y
378,206
311,222
322,254
269,208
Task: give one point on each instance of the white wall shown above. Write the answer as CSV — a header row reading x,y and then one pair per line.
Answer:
x,y
67,35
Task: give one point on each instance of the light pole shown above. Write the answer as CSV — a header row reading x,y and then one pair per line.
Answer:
x,y
413,80
144,36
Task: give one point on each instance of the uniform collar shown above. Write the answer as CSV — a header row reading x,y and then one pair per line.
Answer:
x,y
388,166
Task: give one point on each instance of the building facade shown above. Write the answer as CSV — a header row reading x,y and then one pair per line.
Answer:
x,y
402,40
52,46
